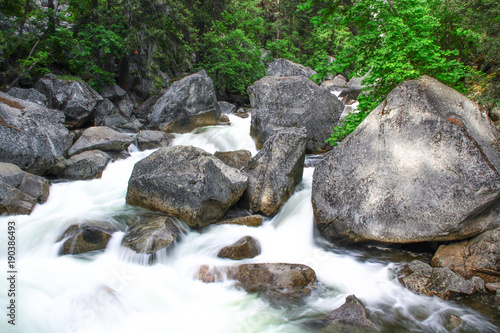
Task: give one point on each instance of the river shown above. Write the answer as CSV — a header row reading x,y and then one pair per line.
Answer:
x,y
117,290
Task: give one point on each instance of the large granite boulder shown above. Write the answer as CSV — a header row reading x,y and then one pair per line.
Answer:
x,y
479,256
76,99
294,102
274,171
271,278
30,95
423,166
187,183
32,136
423,279
86,165
284,67
101,138
188,104
20,191
86,237
150,233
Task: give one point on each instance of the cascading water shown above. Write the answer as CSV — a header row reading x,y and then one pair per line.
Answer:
x,y
118,291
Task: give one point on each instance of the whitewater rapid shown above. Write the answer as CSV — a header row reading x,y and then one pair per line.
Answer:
x,y
117,290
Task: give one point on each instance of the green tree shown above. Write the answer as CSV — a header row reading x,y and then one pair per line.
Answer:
x,y
392,41
231,51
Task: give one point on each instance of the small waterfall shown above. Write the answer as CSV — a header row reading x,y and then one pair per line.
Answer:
x,y
119,291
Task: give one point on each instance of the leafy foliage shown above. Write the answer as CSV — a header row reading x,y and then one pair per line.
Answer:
x,y
348,125
232,53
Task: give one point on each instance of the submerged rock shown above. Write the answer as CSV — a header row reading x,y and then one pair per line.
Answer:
x,y
294,102
150,233
284,67
249,221
187,183
101,138
479,256
76,99
421,278
350,317
246,247
294,280
188,104
86,165
274,171
32,136
81,238
423,166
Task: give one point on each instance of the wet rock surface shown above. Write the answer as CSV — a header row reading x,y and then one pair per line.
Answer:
x,y
422,278
86,237
421,167
150,233
187,183
86,165
479,256
274,172
244,248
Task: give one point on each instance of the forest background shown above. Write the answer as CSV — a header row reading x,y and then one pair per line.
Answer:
x,y
105,42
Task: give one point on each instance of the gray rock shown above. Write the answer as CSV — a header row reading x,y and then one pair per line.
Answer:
x,y
86,237
294,102
32,136
13,201
187,183
125,106
20,191
235,159
187,104
144,111
150,233
227,108
274,278
141,88
148,139
244,248
421,278
338,81
421,167
76,99
274,171
102,110
86,165
479,256
101,138
30,95
284,67
113,93
123,124
495,113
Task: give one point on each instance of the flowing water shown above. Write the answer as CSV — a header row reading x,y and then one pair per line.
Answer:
x,y
118,291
